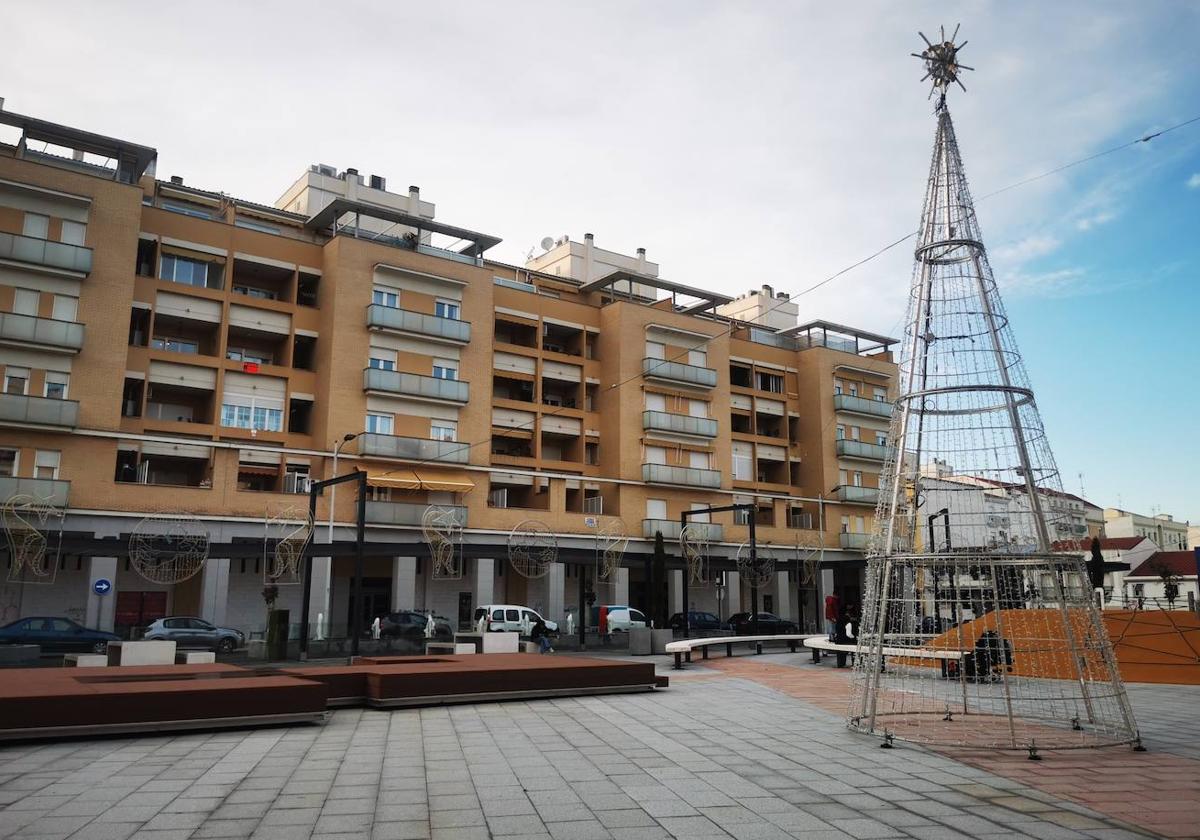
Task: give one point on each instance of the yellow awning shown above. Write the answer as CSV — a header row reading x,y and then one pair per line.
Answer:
x,y
423,479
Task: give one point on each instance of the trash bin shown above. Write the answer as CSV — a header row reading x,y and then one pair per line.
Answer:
x,y
277,634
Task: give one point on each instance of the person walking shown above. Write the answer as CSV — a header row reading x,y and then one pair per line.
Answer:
x,y
541,635
833,610
846,634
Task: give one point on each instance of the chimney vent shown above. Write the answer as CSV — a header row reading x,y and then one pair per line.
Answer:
x,y
378,182
414,192
587,237
351,171
177,180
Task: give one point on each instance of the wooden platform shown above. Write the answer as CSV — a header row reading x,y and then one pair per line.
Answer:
x,y
56,702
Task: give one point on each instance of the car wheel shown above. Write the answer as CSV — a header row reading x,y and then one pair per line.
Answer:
x,y
100,647
226,645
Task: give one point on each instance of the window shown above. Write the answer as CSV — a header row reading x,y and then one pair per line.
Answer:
x,y
382,364
36,225
175,345
699,358
443,430
16,381
769,382
698,408
385,297
860,525
66,308
854,432
45,464
881,438
842,478
841,432
700,517
837,386
73,233
853,389
239,354
187,210
445,369
858,478
880,395
56,384
656,350
656,508
182,270
8,461
240,416
656,455
380,424
259,226
698,460
446,309
656,402
845,524
255,292
25,301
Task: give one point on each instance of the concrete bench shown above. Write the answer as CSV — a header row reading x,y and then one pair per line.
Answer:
x,y
141,653
818,644
85,660
195,657
683,649
440,647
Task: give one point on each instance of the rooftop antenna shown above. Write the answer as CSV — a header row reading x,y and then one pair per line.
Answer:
x,y
547,243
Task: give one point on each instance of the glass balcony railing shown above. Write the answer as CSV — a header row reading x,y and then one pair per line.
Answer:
x,y
403,320
413,449
64,335
45,490
407,513
679,423
27,249
687,476
858,542
670,529
772,339
415,385
679,372
860,405
39,411
862,495
860,449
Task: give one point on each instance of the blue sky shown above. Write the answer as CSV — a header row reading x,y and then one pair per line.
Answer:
x,y
740,143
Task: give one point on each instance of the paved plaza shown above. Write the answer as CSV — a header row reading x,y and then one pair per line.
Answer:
x,y
749,748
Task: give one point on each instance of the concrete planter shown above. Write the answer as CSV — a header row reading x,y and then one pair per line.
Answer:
x,y
660,638
256,649
640,641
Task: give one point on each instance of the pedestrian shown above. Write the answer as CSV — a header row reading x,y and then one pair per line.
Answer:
x,y
541,635
845,634
833,609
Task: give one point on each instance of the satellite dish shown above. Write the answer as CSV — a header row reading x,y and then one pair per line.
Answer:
x,y
547,243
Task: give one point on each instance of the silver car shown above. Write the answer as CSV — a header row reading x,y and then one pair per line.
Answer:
x,y
192,632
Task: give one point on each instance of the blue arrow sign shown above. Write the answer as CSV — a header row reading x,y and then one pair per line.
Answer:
x,y
102,586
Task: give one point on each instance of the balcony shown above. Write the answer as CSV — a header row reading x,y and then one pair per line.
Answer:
x,y
56,336
59,255
680,424
857,542
42,489
393,319
39,411
407,513
863,451
413,449
858,495
670,529
414,385
687,476
859,405
700,377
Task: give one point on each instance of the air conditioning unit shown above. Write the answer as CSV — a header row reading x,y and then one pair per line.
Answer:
x,y
328,171
378,182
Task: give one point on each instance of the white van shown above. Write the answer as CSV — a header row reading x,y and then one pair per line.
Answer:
x,y
510,617
619,619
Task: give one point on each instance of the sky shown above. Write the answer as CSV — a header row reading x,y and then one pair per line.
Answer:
x,y
739,143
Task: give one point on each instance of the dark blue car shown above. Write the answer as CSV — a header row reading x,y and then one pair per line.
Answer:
x,y
56,635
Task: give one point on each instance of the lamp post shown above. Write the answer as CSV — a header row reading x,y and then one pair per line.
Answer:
x,y
337,450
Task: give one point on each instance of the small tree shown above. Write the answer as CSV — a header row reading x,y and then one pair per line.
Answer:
x,y
270,595
1095,565
1170,581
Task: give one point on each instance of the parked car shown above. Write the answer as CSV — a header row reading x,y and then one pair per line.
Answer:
x,y
742,624
509,617
410,625
190,632
696,621
56,635
617,618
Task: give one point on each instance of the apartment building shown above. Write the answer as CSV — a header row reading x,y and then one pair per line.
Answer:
x,y
170,351
1167,533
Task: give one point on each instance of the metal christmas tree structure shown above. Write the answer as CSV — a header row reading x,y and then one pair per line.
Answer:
x,y
974,632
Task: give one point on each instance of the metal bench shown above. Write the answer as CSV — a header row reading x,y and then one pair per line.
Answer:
x,y
682,649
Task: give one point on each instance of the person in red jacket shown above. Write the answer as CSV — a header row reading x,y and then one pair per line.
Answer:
x,y
833,609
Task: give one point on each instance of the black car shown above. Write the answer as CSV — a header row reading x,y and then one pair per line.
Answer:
x,y
409,625
56,635
742,624
697,620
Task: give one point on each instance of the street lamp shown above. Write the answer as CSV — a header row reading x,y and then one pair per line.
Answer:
x,y
337,450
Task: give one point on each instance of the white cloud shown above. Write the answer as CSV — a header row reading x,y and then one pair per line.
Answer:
x,y
1194,182
1029,248
1095,220
1057,284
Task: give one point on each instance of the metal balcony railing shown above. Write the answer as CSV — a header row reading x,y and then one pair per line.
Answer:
x,y
46,490
864,495
407,513
670,529
403,320
39,411
413,449
679,423
854,541
678,372
415,385
860,405
687,476
866,451
27,249
62,335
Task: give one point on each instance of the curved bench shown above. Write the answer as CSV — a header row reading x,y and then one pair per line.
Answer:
x,y
821,643
683,648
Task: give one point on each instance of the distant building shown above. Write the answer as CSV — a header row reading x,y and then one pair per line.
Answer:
x,y
1145,588
1167,533
1121,554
